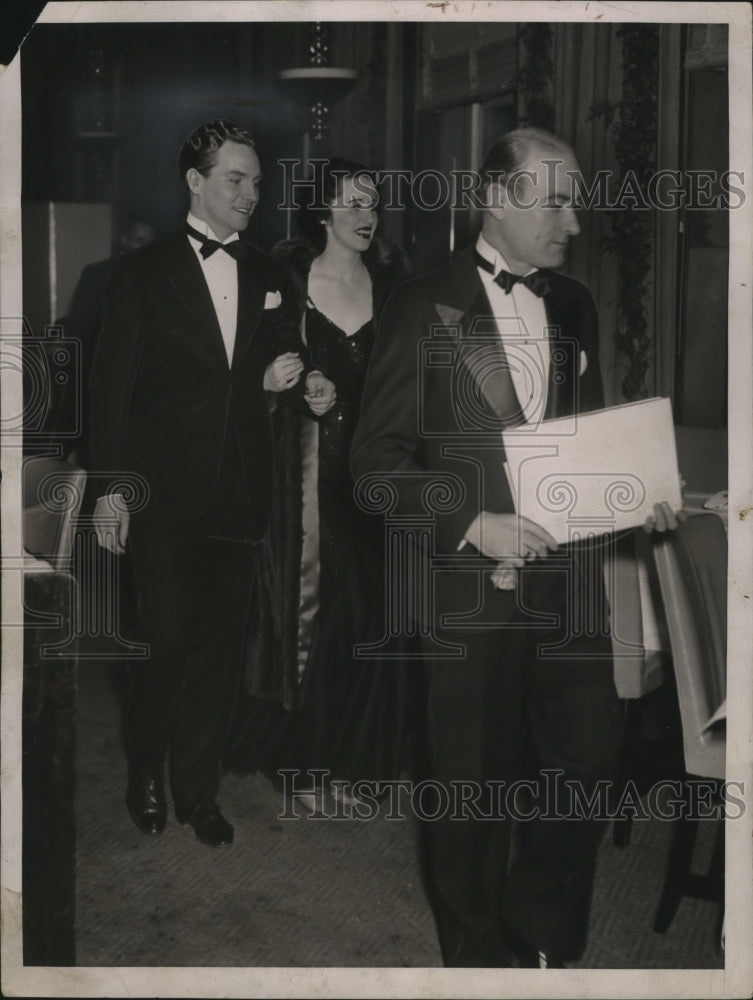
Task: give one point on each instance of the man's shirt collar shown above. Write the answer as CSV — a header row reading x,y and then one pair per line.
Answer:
x,y
494,257
206,230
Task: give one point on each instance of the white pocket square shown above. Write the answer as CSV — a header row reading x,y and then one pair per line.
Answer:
x,y
583,362
272,300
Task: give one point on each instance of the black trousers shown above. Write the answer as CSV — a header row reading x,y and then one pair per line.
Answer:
x,y
500,718
194,592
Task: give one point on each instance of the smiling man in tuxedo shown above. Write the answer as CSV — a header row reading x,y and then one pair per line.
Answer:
x,y
199,328
516,628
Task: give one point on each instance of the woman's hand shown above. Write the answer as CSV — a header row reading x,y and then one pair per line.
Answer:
x,y
283,373
504,577
320,393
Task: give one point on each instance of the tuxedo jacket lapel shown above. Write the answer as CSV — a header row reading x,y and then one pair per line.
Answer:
x,y
187,280
564,357
466,312
251,295
482,352
479,347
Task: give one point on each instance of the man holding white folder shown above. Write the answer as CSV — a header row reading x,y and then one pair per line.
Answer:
x,y
526,710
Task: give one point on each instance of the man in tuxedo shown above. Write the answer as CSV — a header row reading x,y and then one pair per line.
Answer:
x,y
199,329
515,629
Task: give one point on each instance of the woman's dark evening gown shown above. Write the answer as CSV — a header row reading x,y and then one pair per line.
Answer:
x,y
346,713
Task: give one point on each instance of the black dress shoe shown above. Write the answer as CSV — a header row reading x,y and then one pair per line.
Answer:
x,y
208,823
146,803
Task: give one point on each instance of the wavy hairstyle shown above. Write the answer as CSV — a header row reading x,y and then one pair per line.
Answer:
x,y
199,151
329,177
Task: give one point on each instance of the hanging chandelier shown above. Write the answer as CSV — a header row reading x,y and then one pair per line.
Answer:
x,y
318,86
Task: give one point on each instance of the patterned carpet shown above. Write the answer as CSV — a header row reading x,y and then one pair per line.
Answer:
x,y
309,892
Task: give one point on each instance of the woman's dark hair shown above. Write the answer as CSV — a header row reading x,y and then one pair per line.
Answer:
x,y
329,176
200,149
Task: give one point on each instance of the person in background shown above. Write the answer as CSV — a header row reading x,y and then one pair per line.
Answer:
x,y
313,702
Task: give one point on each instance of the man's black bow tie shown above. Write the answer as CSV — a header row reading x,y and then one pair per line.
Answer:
x,y
536,282
236,248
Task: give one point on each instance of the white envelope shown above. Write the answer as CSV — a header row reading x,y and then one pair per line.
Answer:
x,y
597,472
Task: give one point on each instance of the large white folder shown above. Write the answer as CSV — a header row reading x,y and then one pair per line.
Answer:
x,y
597,472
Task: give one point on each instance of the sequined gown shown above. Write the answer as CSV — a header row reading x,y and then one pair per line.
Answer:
x,y
313,702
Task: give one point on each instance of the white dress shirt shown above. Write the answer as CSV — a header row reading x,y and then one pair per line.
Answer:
x,y
221,274
521,321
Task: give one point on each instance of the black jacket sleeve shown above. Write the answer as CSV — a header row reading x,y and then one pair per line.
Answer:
x,y
388,439
113,373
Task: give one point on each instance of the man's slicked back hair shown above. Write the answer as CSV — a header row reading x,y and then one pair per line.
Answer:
x,y
509,154
199,151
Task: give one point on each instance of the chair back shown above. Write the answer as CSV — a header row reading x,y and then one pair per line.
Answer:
x,y
52,493
639,667
691,564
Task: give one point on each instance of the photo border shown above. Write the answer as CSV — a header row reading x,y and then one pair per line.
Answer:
x,y
736,979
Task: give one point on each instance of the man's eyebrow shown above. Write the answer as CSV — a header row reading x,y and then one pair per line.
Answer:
x,y
244,173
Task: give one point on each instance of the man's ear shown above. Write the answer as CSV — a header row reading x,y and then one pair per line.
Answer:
x,y
193,180
495,198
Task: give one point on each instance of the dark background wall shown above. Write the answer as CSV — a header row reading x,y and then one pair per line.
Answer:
x,y
106,107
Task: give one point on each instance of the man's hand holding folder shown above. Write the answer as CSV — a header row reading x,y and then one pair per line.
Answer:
x,y
664,518
516,540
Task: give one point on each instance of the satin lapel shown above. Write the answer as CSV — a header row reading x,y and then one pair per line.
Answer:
x,y
564,358
480,350
251,295
186,277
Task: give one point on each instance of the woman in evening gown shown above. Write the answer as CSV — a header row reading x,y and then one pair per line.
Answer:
x,y
310,702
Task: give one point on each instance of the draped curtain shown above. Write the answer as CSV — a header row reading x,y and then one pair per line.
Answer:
x,y
587,60
588,69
